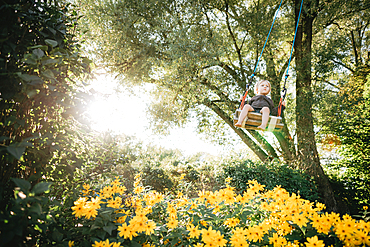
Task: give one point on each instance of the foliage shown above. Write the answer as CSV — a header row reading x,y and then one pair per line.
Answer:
x,y
346,125
27,217
270,175
42,104
222,218
351,188
40,64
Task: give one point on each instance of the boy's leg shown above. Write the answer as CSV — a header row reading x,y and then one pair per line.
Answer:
x,y
265,117
247,108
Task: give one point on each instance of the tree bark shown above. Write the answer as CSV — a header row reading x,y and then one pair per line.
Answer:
x,y
308,158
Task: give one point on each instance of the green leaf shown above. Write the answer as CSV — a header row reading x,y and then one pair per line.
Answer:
x,y
28,78
3,138
51,42
106,215
49,74
23,184
101,234
36,208
39,53
16,150
109,229
93,227
57,236
10,120
136,244
49,61
41,187
30,59
42,47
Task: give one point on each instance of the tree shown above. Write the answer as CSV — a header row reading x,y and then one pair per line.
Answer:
x,y
39,65
200,54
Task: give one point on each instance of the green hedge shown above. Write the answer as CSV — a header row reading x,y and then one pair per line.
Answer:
x,y
270,175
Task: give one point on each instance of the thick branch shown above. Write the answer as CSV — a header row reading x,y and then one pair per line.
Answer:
x,y
245,138
265,144
354,47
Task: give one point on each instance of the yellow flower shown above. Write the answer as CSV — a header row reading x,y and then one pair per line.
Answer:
x,y
220,241
314,242
320,206
87,189
124,231
365,208
203,223
98,244
194,232
182,176
115,203
90,212
277,241
148,245
363,237
180,194
121,219
232,222
138,189
138,176
138,223
300,220
71,243
102,244
78,210
254,234
121,190
116,182
172,223
149,227
238,238
116,244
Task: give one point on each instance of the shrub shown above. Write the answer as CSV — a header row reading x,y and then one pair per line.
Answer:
x,y
271,175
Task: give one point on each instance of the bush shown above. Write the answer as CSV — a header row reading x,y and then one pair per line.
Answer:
x,y
25,219
271,175
352,189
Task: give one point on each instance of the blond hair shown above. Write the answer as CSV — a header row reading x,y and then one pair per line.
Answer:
x,y
259,83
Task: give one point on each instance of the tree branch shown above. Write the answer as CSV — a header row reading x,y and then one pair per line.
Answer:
x,y
342,64
265,144
237,49
245,138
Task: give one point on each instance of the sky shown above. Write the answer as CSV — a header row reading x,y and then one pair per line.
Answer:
x,y
125,113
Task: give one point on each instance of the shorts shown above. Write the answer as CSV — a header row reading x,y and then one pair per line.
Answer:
x,y
258,110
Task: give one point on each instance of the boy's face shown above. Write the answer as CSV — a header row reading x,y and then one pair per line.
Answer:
x,y
263,88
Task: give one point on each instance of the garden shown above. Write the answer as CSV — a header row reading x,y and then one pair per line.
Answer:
x,y
63,183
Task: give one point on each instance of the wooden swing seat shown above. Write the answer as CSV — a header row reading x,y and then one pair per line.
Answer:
x,y
253,120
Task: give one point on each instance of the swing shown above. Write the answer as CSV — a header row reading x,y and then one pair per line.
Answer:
x,y
253,119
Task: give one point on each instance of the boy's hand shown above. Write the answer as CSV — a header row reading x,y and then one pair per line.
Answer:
x,y
283,103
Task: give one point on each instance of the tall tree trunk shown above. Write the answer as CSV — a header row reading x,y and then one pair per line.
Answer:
x,y
308,158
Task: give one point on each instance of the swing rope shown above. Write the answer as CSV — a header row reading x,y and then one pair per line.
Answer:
x,y
255,68
283,93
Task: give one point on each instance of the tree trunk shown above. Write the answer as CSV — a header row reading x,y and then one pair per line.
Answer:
x,y
308,158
